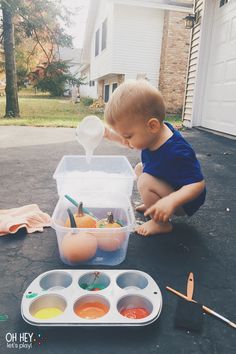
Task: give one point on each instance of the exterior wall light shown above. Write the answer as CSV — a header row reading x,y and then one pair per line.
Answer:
x,y
191,20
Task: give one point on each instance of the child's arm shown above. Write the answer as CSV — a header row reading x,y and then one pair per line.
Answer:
x,y
113,136
165,207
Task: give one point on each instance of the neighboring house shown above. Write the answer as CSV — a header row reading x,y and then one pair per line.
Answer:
x,y
90,89
134,39
73,57
210,99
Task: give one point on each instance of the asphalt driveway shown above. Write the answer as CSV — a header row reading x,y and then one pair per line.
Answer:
x,y
204,244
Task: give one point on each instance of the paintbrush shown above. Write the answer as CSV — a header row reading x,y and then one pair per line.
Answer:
x,y
188,314
205,308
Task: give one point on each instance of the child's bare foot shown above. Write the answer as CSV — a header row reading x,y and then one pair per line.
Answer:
x,y
151,228
141,208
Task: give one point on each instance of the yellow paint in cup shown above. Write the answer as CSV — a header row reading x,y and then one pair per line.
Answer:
x,y
48,312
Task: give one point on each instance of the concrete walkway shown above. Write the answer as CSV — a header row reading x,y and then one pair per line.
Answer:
x,y
204,244
29,136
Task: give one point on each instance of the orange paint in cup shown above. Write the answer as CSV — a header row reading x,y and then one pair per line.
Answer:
x,y
91,310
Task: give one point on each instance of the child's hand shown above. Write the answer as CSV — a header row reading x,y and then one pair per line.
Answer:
x,y
113,136
125,142
161,210
106,133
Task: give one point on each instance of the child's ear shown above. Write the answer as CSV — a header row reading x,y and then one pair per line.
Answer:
x,y
154,125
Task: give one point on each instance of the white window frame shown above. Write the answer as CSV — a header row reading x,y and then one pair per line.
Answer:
x,y
104,35
97,42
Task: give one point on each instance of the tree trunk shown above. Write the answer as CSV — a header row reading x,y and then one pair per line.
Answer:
x,y
12,105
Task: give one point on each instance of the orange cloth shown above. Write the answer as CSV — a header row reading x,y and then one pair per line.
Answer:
x,y
29,216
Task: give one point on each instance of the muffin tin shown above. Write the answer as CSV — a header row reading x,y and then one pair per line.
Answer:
x,y
71,297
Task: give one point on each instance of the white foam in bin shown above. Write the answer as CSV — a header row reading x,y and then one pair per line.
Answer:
x,y
75,174
110,243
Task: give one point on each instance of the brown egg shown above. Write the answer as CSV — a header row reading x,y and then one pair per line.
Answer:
x,y
79,247
109,241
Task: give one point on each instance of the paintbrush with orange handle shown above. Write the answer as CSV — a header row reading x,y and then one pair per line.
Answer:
x,y
188,314
206,309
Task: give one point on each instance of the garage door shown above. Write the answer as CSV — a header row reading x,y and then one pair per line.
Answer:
x,y
219,105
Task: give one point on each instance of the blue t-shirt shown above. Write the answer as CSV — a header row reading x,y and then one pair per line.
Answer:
x,y
175,163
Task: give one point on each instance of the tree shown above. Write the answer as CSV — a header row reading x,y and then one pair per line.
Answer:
x,y
28,56
38,20
53,77
12,105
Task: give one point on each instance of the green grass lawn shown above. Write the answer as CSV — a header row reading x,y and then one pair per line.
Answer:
x,y
43,111
40,110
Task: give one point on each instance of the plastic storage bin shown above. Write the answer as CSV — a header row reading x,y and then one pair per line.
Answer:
x,y
94,246
103,173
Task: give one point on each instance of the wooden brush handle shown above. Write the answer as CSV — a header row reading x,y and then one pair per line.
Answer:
x,y
205,308
179,294
213,313
190,286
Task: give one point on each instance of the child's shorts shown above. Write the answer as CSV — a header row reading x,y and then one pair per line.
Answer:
x,y
191,207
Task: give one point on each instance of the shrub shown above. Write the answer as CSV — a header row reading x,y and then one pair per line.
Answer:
x,y
87,101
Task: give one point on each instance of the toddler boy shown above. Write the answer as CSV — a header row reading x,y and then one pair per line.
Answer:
x,y
170,180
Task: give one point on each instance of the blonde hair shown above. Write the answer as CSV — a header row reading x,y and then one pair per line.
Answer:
x,y
135,99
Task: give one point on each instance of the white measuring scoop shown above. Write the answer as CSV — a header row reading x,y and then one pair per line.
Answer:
x,y
89,134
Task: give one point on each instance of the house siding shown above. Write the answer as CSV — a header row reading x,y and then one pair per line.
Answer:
x,y
174,60
192,67
137,53
101,64
87,90
134,47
